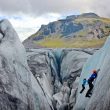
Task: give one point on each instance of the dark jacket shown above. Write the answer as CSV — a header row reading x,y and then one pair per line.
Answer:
x,y
92,77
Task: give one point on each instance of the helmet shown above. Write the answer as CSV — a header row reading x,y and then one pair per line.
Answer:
x,y
94,71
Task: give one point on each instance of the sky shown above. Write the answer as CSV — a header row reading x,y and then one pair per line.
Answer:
x,y
27,16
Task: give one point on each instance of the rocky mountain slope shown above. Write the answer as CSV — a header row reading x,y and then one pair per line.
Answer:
x,y
85,30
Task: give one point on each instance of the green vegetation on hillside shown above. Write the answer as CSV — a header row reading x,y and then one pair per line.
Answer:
x,y
92,20
76,43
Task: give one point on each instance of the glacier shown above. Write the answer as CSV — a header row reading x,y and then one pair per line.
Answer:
x,y
55,70
19,89
50,79
100,98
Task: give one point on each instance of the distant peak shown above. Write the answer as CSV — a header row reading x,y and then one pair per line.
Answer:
x,y
72,17
89,15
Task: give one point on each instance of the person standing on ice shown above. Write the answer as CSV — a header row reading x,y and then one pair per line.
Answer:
x,y
90,82
83,85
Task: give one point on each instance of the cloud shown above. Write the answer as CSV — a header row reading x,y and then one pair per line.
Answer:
x,y
26,25
41,7
38,7
28,15
101,7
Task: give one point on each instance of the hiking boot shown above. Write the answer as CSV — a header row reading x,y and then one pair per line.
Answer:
x,y
87,95
90,93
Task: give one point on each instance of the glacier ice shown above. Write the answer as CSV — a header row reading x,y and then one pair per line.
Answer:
x,y
100,98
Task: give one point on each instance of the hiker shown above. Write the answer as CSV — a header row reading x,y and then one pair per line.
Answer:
x,y
90,82
83,85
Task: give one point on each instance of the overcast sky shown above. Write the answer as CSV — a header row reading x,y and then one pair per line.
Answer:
x,y
28,15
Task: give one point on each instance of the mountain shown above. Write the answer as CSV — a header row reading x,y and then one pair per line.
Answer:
x,y
78,31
